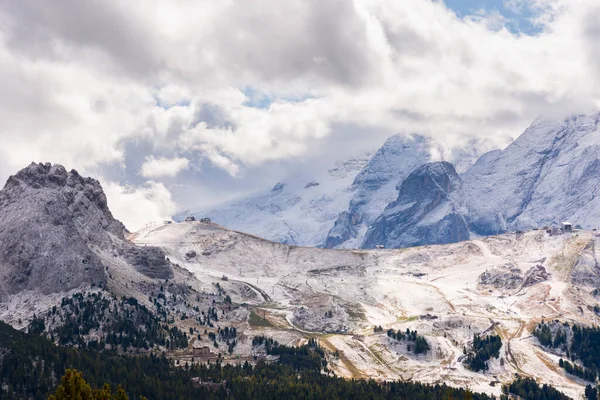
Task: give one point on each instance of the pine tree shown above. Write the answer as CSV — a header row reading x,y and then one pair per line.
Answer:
x,y
74,387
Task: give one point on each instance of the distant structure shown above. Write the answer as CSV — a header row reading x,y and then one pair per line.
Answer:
x,y
201,351
224,278
190,218
380,246
168,222
567,226
205,220
211,386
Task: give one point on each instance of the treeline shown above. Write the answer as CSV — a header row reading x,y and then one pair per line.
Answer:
x,y
528,389
581,372
309,356
482,351
120,324
32,367
417,343
579,344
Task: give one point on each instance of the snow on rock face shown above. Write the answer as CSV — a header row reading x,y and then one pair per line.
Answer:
x,y
424,213
55,227
551,173
334,209
375,187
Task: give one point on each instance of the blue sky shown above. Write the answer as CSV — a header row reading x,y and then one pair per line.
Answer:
x,y
518,18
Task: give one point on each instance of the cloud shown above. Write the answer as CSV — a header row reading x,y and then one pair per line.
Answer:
x,y
163,167
127,93
139,205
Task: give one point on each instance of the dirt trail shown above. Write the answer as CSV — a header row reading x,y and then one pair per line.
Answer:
x,y
440,293
511,357
265,296
354,372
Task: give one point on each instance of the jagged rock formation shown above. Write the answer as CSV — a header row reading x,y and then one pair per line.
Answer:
x,y
424,213
375,187
57,234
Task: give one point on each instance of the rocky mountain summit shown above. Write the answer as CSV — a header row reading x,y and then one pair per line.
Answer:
x,y
57,234
375,187
550,174
423,213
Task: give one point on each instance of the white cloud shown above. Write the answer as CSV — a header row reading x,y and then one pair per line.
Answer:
x,y
172,74
138,206
162,167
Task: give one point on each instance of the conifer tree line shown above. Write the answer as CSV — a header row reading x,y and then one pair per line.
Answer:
x,y
119,321
416,343
482,351
32,366
579,345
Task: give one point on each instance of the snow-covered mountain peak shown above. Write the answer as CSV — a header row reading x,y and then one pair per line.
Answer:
x,y
549,174
376,186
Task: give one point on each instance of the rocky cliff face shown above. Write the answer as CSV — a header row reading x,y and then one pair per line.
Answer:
x,y
425,211
375,187
57,234
551,173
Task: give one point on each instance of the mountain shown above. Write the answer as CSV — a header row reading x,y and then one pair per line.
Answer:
x,y
334,209
550,174
375,187
58,238
447,293
423,213
57,234
298,210
70,273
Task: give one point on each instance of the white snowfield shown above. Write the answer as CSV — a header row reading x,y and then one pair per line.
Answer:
x,y
503,285
299,210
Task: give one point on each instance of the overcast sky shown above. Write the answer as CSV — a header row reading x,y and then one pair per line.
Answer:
x,y
173,104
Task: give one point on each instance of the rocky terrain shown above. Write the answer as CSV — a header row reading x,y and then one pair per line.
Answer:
x,y
502,285
375,187
425,211
57,234
58,238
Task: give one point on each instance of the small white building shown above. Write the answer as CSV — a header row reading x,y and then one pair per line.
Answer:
x,y
567,226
